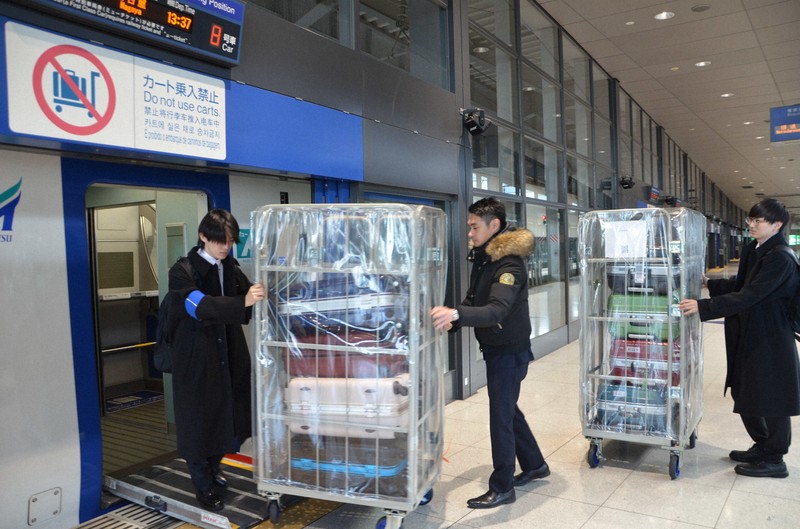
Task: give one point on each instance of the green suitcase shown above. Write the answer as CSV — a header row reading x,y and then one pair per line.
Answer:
x,y
642,316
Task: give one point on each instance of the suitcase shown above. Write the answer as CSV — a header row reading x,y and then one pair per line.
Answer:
x,y
372,466
632,408
645,359
354,354
642,317
367,312
642,278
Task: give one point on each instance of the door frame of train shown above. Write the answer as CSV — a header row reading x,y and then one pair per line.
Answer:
x,y
77,176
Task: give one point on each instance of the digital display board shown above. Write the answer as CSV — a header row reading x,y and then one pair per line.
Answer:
x,y
208,28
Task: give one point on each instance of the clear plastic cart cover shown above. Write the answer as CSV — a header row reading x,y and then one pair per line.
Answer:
x,y
348,371
641,361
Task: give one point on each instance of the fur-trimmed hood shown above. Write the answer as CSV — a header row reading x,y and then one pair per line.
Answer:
x,y
511,241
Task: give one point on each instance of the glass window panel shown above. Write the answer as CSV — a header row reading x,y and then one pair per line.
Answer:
x,y
539,38
573,265
646,132
540,104
494,157
600,84
547,295
495,16
602,140
542,169
412,35
577,124
576,70
624,112
330,19
625,157
579,184
636,117
493,77
602,180
637,162
648,167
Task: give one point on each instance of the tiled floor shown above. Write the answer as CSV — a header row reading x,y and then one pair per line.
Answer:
x,y
630,489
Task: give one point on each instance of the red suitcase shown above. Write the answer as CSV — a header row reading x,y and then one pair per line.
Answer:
x,y
645,359
351,355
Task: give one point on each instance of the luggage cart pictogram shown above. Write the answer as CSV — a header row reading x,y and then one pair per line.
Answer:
x,y
63,94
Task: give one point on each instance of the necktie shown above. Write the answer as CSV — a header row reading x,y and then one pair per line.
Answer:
x,y
221,281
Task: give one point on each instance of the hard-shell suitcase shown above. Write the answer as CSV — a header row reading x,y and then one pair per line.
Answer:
x,y
642,317
367,312
373,465
645,359
632,408
345,355
347,406
643,278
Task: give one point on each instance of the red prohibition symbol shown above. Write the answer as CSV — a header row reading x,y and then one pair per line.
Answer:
x,y
51,57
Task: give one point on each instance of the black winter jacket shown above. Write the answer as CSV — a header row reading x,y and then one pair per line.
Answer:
x,y
496,304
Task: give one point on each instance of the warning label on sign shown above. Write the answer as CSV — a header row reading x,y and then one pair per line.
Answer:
x,y
67,89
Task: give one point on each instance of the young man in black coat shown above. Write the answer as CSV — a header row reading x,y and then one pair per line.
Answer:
x,y
211,361
496,305
763,369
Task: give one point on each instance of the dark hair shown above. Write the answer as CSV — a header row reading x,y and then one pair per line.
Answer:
x,y
772,211
489,208
216,226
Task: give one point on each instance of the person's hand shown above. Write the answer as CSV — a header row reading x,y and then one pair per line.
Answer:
x,y
705,281
442,318
255,293
688,306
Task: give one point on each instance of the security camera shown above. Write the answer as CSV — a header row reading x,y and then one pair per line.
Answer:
x,y
626,182
475,121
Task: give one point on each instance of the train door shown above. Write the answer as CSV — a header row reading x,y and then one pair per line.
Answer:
x,y
134,236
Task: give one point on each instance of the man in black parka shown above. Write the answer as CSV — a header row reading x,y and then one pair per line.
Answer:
x,y
496,305
211,362
763,369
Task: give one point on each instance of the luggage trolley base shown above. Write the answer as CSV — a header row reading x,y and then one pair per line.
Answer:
x,y
595,454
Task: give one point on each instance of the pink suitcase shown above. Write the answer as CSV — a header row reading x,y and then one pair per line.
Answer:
x,y
645,359
347,406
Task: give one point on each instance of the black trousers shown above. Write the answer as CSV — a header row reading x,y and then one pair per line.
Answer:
x,y
202,472
511,436
771,434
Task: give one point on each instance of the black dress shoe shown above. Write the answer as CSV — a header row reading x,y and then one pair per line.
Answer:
x,y
492,499
220,480
210,500
762,469
754,454
526,476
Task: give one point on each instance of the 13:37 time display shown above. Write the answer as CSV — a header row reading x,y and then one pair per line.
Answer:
x,y
176,20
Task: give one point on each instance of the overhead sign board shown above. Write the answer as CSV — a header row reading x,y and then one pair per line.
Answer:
x,y
211,29
784,123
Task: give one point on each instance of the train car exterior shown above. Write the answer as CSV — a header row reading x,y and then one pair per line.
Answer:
x,y
93,122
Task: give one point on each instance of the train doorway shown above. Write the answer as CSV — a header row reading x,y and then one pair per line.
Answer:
x,y
135,235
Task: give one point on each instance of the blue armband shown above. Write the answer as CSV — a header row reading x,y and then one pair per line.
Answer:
x,y
192,301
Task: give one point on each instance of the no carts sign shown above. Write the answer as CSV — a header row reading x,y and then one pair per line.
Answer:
x,y
74,89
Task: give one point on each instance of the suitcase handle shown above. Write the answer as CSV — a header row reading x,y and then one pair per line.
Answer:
x,y
641,336
640,289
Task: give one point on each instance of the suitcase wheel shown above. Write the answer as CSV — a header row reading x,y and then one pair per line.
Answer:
x,y
593,456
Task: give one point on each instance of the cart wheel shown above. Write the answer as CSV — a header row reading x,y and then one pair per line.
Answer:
x,y
692,440
427,498
274,511
592,457
674,466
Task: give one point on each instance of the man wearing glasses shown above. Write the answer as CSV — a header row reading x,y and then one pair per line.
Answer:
x,y
763,371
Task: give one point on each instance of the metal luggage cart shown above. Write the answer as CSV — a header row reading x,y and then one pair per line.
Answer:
x,y
349,396
641,361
